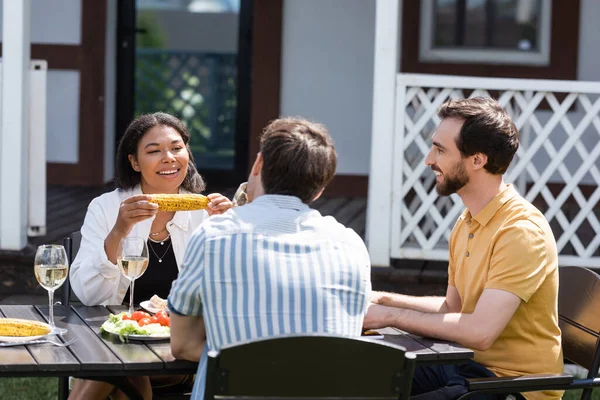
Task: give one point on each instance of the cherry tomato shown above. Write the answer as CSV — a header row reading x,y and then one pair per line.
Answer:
x,y
154,320
164,320
137,315
163,313
126,317
144,321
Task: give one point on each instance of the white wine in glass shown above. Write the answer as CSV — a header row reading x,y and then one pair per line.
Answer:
x,y
240,197
51,269
132,259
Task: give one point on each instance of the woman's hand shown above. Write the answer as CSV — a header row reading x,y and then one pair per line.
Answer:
x,y
133,210
218,204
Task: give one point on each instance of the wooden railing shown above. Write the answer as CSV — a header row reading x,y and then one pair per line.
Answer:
x,y
556,166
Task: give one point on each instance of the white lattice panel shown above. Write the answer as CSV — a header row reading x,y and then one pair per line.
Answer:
x,y
556,166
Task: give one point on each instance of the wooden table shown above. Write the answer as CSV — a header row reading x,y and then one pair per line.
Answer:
x,y
104,357
94,355
428,351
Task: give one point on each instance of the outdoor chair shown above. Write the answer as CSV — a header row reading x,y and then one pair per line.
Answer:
x,y
579,321
310,367
71,245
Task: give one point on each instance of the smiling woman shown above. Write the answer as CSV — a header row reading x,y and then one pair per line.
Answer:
x,y
153,159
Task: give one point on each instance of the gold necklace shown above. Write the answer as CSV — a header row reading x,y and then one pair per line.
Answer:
x,y
159,232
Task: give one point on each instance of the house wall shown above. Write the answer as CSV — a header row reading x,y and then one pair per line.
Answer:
x,y
327,70
58,22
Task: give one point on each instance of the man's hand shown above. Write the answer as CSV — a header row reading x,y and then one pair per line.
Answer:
x,y
377,297
218,204
376,317
477,330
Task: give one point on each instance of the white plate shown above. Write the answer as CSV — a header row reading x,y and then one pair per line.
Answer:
x,y
14,339
134,336
26,338
146,305
142,337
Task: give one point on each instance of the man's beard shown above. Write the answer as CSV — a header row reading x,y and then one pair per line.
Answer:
x,y
452,183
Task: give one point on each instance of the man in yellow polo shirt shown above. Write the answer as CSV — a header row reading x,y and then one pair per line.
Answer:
x,y
502,291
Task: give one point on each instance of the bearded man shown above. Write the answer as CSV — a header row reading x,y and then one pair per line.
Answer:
x,y
502,293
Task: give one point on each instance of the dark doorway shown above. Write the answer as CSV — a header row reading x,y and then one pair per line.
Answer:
x,y
190,58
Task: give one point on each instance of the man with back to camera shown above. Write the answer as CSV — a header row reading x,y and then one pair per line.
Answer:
x,y
273,266
502,293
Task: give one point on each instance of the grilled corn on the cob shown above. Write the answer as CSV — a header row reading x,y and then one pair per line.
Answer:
x,y
22,327
180,202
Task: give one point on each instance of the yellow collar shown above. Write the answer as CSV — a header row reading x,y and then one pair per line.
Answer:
x,y
485,215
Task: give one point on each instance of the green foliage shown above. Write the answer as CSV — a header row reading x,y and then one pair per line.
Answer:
x,y
152,36
199,88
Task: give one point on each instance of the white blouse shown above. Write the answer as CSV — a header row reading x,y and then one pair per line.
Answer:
x,y
94,279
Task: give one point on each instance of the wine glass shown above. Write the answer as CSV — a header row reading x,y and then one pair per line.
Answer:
x,y
51,269
132,259
240,197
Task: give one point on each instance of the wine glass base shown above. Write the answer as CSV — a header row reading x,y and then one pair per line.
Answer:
x,y
58,331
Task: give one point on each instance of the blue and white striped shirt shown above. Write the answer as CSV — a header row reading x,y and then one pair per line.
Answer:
x,y
272,267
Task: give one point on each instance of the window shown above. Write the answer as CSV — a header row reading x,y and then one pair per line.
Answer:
x,y
494,38
485,31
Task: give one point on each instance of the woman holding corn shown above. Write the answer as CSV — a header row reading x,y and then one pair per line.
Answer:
x,y
153,157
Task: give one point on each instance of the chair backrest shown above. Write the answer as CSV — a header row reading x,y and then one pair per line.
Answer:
x,y
71,244
310,367
578,307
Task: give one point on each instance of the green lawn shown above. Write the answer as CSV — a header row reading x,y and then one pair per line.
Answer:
x,y
47,389
576,394
29,388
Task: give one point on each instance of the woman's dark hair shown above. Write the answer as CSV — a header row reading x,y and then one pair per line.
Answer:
x,y
299,158
486,129
126,177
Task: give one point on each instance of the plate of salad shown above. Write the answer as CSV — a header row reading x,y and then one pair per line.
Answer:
x,y
138,326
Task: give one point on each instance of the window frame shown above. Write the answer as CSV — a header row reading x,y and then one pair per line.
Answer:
x,y
429,53
564,48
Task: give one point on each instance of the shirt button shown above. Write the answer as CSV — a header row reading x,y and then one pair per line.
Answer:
x,y
471,236
121,291
468,254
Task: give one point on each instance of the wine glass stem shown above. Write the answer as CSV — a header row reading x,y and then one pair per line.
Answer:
x,y
131,296
51,308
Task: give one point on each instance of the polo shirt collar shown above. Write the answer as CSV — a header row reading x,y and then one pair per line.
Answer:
x,y
491,208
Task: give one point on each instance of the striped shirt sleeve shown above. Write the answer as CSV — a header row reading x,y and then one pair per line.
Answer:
x,y
184,298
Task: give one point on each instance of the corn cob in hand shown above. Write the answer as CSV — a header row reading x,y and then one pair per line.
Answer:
x,y
180,202
22,327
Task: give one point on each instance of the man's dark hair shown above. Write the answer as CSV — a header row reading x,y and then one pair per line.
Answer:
x,y
487,129
126,177
299,158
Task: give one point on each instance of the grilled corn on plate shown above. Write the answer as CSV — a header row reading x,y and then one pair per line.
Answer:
x,y
22,327
180,202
